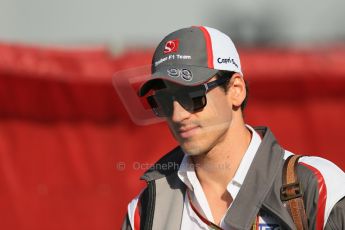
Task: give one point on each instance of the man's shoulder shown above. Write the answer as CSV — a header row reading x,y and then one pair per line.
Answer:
x,y
326,183
322,182
165,166
323,170
318,166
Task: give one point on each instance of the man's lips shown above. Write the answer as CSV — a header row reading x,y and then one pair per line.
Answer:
x,y
188,131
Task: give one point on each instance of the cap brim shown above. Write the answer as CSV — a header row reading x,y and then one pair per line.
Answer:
x,y
198,76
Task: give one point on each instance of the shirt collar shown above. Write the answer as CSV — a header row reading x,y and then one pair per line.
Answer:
x,y
186,167
248,157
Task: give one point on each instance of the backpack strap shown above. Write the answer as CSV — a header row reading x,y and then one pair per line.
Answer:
x,y
291,193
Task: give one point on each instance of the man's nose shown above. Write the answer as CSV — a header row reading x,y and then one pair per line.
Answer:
x,y
179,113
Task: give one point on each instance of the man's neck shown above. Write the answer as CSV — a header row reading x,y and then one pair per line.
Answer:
x,y
217,167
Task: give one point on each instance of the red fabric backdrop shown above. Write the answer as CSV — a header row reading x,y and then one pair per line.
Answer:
x,y
70,157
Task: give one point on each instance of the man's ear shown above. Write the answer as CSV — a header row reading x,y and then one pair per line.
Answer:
x,y
237,90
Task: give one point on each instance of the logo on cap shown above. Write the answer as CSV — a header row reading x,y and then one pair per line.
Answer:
x,y
171,46
185,74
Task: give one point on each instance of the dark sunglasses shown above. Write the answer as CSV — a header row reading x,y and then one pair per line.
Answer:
x,y
191,98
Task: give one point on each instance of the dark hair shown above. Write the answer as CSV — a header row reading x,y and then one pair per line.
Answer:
x,y
229,74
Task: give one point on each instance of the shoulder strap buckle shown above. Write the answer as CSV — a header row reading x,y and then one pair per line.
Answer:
x,y
290,191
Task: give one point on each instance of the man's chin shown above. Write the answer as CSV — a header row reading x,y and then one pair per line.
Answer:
x,y
192,148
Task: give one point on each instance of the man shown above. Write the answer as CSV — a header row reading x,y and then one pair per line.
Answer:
x,y
225,174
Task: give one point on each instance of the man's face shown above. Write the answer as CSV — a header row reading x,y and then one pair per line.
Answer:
x,y
200,131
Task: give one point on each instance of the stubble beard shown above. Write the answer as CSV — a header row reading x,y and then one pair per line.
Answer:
x,y
203,142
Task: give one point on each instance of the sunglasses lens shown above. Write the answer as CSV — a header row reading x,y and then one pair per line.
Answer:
x,y
161,104
191,100
199,103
